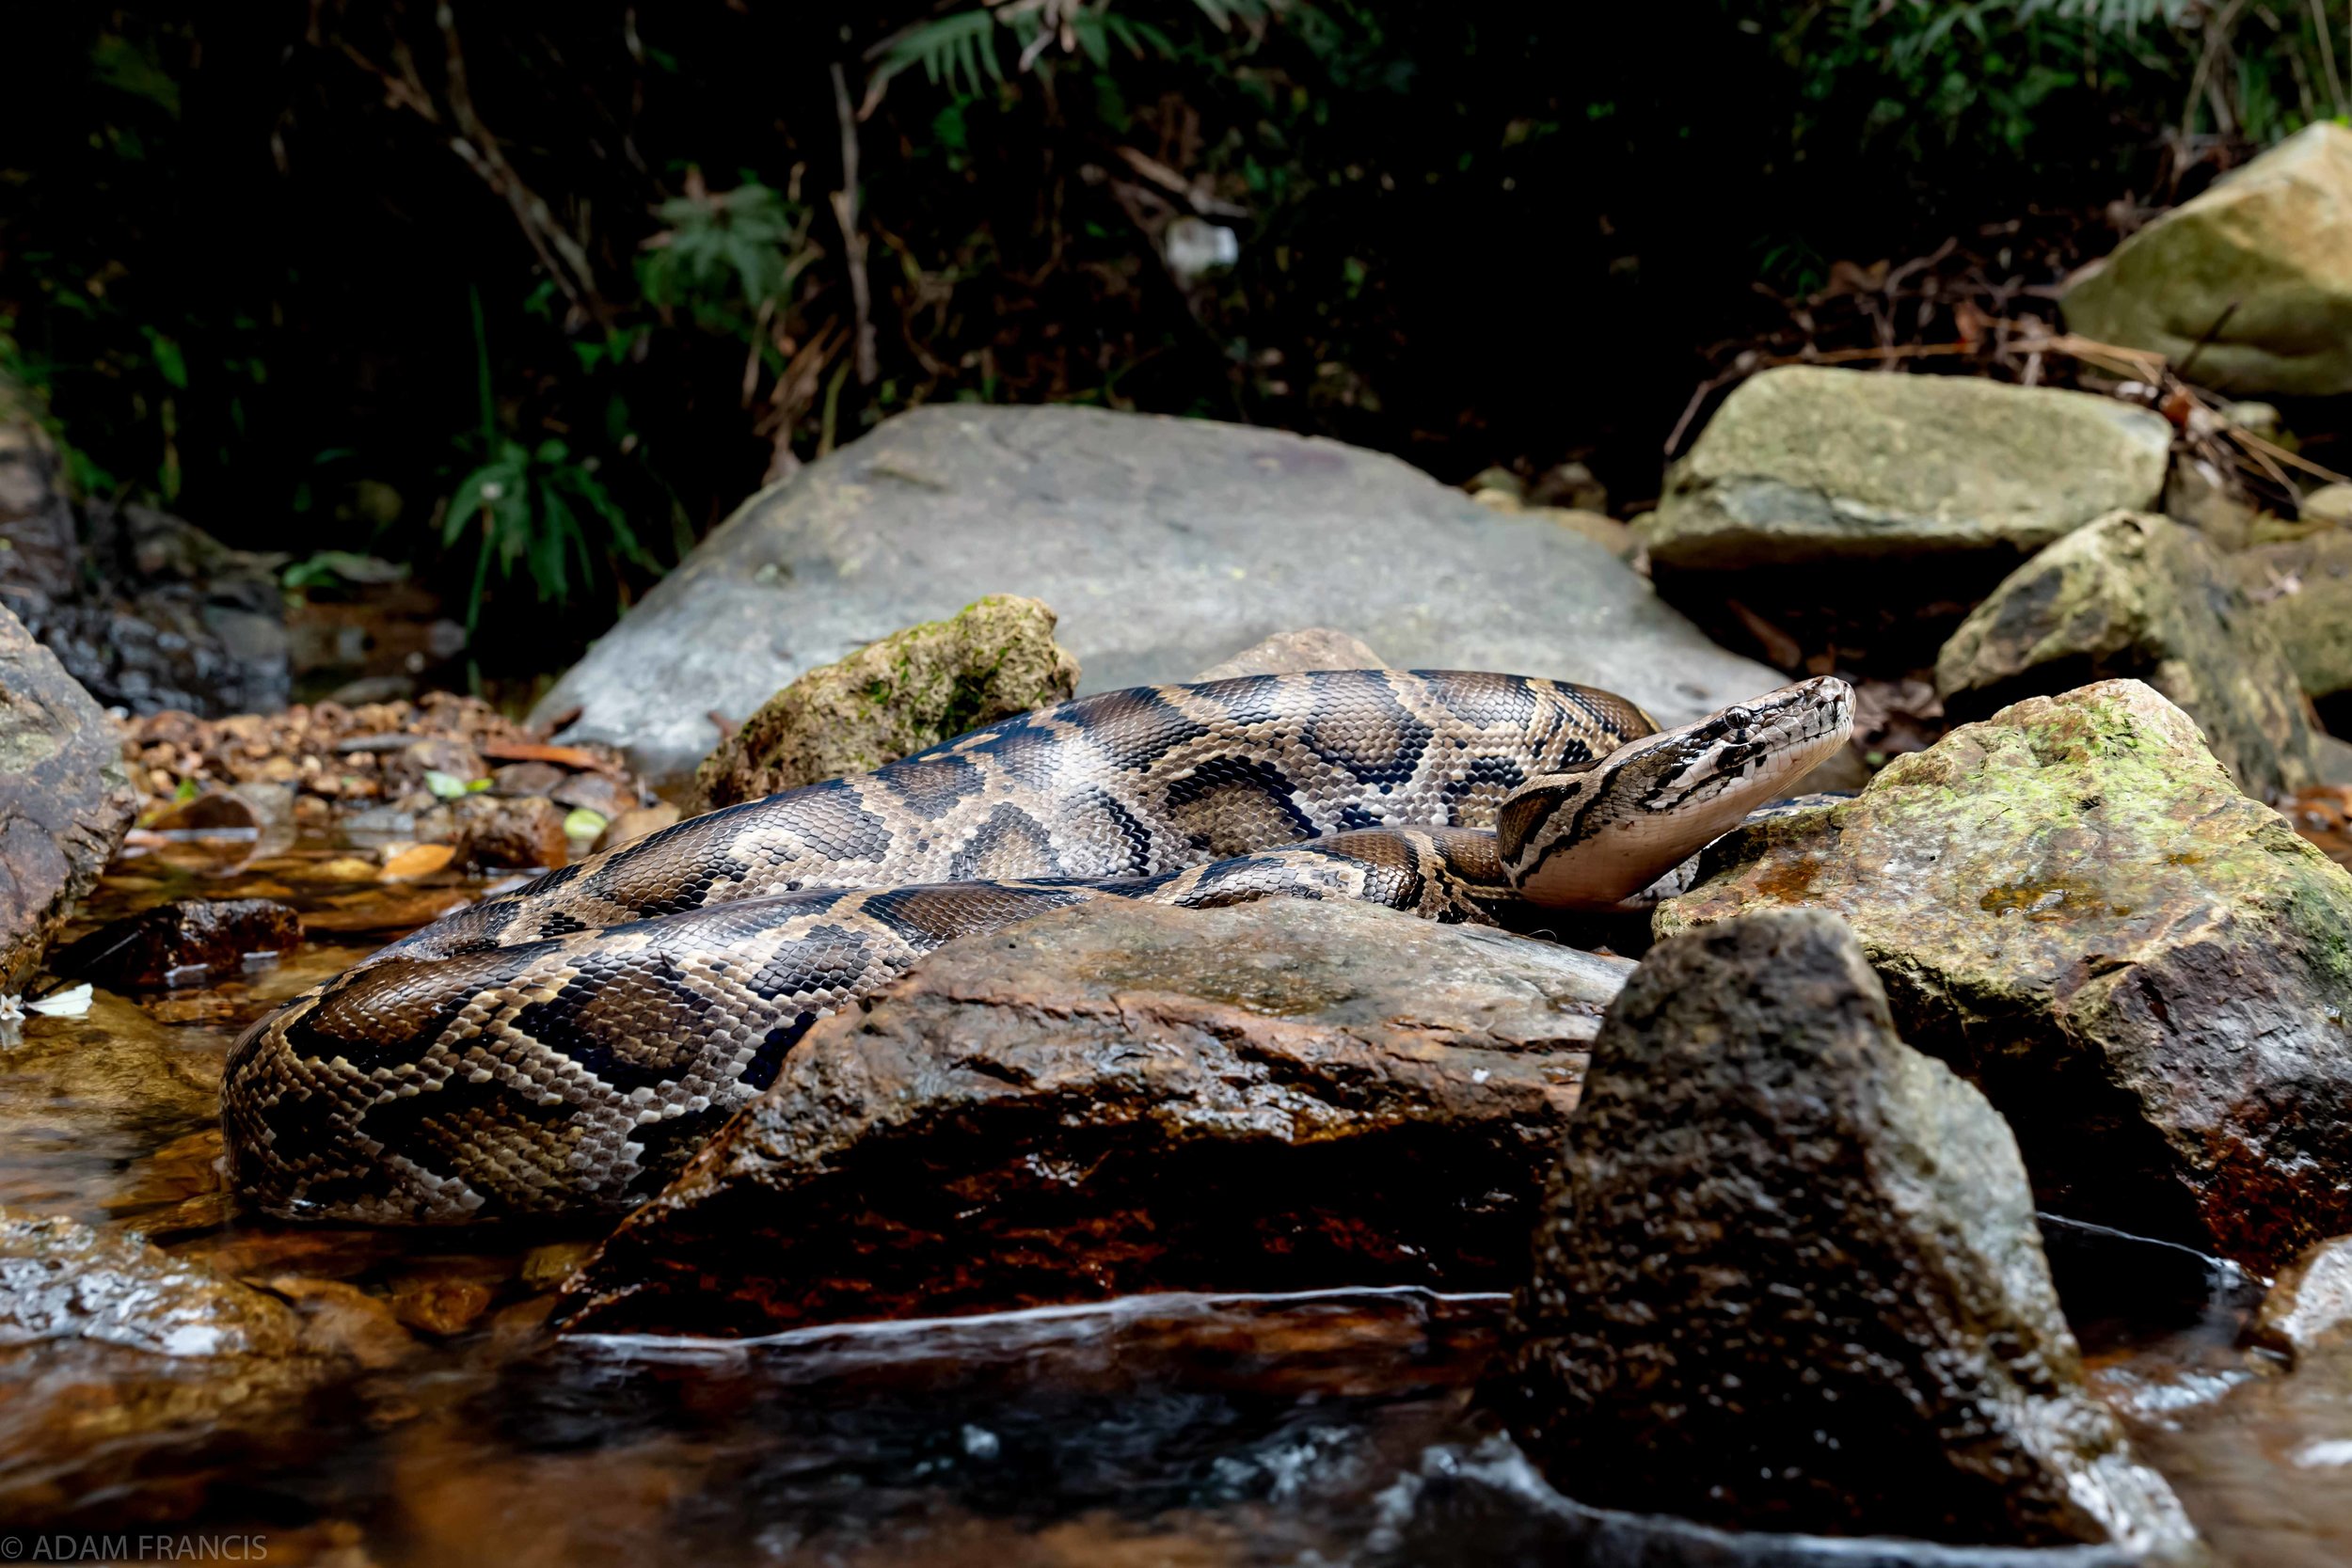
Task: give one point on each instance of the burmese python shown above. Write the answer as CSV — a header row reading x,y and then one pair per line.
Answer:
x,y
570,1044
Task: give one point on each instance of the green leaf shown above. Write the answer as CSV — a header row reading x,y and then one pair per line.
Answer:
x,y
583,823
445,786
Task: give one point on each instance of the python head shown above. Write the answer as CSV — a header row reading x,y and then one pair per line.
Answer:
x,y
1597,836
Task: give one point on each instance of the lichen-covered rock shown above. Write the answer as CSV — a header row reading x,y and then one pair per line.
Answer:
x,y
2301,590
1787,1277
187,942
1127,1098
65,800
2141,597
2270,245
2148,972
891,698
1803,465
1291,652
2310,1304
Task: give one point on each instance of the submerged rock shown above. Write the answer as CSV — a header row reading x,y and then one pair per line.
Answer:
x,y
186,942
2254,277
1805,465
1125,1098
1788,1278
113,1352
2148,972
992,660
65,801
2140,597
1163,543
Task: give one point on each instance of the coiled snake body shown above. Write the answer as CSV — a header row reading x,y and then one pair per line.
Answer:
x,y
569,1045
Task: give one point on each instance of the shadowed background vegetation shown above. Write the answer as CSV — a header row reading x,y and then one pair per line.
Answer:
x,y
529,295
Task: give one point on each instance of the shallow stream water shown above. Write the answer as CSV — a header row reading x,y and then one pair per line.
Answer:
x,y
1337,1428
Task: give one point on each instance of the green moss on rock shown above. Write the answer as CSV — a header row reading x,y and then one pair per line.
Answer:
x,y
911,689
2136,596
2146,972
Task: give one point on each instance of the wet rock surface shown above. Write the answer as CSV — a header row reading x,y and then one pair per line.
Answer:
x,y
1124,1098
992,660
1803,465
1163,544
185,943
2139,596
2255,276
1788,1278
111,1351
65,802
2310,1304
2145,971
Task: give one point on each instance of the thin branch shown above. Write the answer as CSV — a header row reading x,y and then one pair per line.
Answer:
x,y
474,143
853,237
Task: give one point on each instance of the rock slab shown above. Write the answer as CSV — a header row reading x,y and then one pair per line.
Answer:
x,y
187,942
1805,465
2310,1304
2255,276
65,801
1787,1277
2148,972
1126,1097
2140,597
1163,544
992,660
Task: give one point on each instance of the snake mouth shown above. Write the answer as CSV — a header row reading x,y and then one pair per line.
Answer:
x,y
1595,838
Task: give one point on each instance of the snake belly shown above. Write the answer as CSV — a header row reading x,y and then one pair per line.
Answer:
x,y
569,1045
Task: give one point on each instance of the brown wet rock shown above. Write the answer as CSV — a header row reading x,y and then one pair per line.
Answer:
x,y
406,769
1295,652
2310,1304
1789,1277
112,1353
636,823
1127,1098
185,943
601,793
342,1320
2148,972
443,1302
2139,596
516,778
515,834
65,801
913,688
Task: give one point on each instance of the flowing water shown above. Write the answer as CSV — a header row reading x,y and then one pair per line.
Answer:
x,y
456,1428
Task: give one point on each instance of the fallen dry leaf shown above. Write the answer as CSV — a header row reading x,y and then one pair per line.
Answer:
x,y
419,859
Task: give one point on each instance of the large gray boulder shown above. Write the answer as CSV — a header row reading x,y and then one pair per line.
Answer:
x,y
1163,543
2260,263
1787,1277
2140,597
1807,465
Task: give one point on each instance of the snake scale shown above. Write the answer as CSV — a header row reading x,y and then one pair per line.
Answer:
x,y
570,1044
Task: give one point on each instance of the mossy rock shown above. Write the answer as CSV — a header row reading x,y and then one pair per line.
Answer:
x,y
2140,597
2149,974
895,697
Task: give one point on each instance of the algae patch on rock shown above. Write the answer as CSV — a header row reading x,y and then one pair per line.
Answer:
x,y
2140,597
890,698
2148,972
